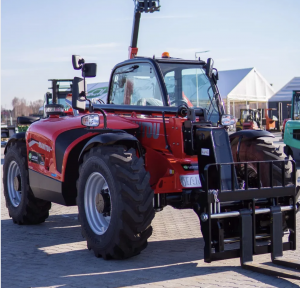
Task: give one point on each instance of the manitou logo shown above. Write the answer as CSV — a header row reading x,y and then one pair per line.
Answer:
x,y
151,130
41,145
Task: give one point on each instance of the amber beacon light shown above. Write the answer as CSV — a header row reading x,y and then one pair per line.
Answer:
x,y
165,55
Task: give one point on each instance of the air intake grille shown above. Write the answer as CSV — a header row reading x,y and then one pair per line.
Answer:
x,y
296,134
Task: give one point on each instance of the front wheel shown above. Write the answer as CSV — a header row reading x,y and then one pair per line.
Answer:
x,y
114,202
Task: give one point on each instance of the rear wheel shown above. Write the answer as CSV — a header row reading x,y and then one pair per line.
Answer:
x,y
114,202
262,150
22,206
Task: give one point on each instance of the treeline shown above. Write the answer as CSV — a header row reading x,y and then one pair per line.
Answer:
x,y
21,107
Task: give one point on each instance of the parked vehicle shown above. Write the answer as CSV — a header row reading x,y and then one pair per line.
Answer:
x,y
153,145
292,130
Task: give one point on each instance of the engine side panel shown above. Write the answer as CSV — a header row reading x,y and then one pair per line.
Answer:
x,y
49,143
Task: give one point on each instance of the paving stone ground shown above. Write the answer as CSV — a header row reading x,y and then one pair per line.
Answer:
x,y
54,254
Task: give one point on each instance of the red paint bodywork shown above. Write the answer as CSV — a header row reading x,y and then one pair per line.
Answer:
x,y
251,125
164,167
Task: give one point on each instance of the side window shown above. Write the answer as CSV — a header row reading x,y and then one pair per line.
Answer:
x,y
171,85
135,84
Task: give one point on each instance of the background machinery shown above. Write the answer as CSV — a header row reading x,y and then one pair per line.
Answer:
x,y
249,119
292,130
289,106
270,119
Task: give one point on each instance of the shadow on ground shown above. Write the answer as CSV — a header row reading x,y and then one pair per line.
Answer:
x,y
34,252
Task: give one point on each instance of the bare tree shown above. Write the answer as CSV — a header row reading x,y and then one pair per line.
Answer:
x,y
20,107
35,106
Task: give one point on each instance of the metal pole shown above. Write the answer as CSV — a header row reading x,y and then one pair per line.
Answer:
x,y
197,87
228,105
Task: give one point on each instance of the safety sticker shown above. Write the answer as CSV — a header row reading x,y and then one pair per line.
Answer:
x,y
190,167
204,152
36,158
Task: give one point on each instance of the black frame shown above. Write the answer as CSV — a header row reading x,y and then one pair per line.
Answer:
x,y
158,73
244,199
55,89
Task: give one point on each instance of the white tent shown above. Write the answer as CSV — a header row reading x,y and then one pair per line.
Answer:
x,y
242,87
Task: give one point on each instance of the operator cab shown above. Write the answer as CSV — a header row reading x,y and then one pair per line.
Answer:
x,y
166,81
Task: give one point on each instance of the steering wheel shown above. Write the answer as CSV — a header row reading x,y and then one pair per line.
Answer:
x,y
180,102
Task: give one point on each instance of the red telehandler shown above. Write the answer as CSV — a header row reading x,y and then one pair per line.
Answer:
x,y
147,148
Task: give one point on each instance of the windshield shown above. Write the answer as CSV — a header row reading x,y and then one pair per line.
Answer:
x,y
188,84
245,114
62,101
296,106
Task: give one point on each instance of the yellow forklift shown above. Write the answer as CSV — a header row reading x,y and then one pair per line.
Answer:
x,y
249,119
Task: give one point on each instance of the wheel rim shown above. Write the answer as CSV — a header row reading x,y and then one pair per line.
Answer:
x,y
97,203
14,184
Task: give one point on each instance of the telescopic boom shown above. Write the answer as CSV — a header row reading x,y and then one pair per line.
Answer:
x,y
139,7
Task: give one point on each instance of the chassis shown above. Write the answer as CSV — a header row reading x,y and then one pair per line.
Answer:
x,y
122,161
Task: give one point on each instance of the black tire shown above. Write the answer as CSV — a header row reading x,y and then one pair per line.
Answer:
x,y
129,203
24,208
261,150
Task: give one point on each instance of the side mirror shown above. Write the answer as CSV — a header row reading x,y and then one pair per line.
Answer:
x,y
78,91
47,97
77,62
89,70
209,67
216,73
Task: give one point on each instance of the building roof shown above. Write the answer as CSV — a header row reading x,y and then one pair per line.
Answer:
x,y
244,85
286,92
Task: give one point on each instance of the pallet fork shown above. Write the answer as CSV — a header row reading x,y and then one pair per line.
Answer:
x,y
279,204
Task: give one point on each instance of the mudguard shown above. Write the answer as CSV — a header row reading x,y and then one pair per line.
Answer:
x,y
245,135
250,134
107,138
13,138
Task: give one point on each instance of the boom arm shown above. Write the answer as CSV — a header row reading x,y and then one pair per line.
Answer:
x,y
139,7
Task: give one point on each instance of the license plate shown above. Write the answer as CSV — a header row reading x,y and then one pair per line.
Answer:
x,y
190,181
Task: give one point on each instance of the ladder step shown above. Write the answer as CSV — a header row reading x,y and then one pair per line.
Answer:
x,y
287,262
271,270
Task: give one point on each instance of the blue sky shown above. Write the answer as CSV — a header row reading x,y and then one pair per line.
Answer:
x,y
39,37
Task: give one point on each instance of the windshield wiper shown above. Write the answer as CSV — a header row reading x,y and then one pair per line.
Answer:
x,y
130,69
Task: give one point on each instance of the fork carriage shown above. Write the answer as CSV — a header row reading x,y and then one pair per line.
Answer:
x,y
270,211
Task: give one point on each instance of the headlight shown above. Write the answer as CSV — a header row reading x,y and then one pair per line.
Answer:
x,y
90,120
227,120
